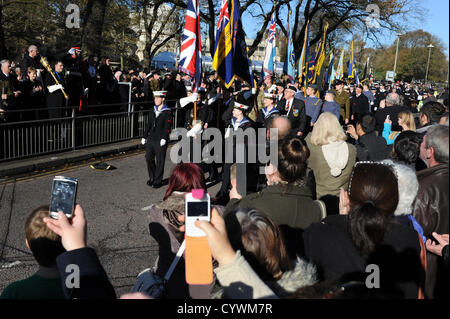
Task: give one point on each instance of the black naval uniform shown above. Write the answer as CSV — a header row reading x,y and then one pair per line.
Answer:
x,y
234,126
264,116
158,129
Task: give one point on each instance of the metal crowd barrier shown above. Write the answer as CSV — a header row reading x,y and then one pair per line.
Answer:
x,y
73,131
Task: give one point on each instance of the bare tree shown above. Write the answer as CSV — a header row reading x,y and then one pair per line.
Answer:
x,y
162,23
93,21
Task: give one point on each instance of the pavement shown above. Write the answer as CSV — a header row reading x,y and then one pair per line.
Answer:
x,y
116,203
19,167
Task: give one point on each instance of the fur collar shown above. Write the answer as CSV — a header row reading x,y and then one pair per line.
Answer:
x,y
175,202
304,274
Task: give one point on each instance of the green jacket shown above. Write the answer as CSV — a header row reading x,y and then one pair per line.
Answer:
x,y
343,100
327,184
285,204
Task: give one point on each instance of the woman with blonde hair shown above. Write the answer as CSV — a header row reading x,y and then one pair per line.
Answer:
x,y
405,120
331,159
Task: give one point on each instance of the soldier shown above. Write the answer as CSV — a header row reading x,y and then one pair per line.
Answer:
x,y
239,108
74,75
270,110
156,138
343,99
313,106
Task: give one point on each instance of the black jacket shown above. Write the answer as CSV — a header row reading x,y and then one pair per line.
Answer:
x,y
431,209
297,114
330,247
371,147
392,111
158,127
359,106
93,284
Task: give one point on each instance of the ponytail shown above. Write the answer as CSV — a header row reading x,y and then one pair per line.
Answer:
x,y
366,226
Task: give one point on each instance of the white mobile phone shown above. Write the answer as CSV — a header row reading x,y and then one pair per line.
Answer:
x,y
63,197
196,209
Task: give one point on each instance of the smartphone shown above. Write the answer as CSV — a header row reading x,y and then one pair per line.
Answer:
x,y
196,209
63,197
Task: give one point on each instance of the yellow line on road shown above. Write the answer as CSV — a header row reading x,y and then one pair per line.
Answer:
x,y
52,172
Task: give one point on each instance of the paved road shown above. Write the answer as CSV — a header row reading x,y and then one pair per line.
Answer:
x,y
114,202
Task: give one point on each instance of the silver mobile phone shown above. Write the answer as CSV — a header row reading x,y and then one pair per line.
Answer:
x,y
63,197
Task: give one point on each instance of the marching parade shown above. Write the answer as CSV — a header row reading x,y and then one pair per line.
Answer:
x,y
323,169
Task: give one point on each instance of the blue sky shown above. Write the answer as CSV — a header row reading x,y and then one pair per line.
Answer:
x,y
436,22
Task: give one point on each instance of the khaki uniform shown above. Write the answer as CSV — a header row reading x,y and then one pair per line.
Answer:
x,y
343,100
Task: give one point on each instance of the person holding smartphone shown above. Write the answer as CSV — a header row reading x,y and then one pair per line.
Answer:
x,y
156,137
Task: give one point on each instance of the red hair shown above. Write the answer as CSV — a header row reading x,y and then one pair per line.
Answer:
x,y
185,177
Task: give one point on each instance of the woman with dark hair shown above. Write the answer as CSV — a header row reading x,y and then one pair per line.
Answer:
x,y
260,241
164,227
287,199
366,234
406,150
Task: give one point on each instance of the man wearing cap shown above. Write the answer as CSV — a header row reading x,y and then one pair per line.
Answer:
x,y
269,110
294,110
369,96
268,82
280,90
156,137
239,107
155,81
74,75
313,106
330,105
359,104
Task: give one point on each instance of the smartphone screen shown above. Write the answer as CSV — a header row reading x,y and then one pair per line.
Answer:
x,y
197,209
63,196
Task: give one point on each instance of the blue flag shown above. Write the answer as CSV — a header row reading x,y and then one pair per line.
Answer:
x,y
230,56
289,63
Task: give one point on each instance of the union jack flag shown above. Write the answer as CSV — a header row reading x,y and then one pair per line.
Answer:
x,y
272,29
224,16
191,46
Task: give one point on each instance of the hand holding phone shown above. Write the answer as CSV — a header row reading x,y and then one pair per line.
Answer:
x,y
196,209
63,196
198,259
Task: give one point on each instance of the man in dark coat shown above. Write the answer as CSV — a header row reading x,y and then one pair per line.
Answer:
x,y
55,98
31,60
393,108
369,146
359,104
9,92
294,109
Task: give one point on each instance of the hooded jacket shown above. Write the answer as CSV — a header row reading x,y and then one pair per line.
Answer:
x,y
302,275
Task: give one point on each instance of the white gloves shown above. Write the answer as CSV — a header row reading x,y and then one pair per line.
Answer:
x,y
195,130
53,88
162,142
189,99
143,141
